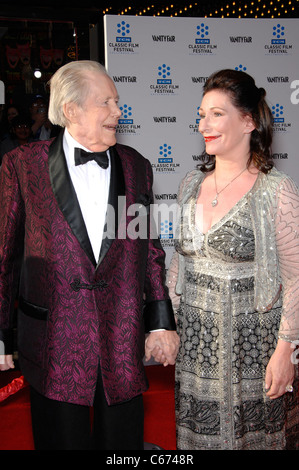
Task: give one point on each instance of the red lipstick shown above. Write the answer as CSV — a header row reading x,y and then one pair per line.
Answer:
x,y
211,138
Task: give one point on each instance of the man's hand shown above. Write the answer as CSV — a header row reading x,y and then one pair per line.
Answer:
x,y
6,362
163,346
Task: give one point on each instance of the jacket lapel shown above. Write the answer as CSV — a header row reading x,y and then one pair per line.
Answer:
x,y
115,201
65,195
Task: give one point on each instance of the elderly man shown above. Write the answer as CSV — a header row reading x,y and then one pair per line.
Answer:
x,y
87,289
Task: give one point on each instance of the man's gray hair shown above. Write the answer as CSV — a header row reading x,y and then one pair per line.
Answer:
x,y
70,84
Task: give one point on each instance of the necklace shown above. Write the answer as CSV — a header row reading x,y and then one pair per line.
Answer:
x,y
215,200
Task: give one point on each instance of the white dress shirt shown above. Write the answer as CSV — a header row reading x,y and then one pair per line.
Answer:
x,y
91,183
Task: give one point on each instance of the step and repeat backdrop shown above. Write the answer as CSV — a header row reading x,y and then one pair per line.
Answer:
x,y
159,66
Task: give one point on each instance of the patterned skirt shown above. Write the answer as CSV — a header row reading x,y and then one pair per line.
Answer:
x,y
225,347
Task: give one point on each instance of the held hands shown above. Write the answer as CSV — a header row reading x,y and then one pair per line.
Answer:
x,y
280,371
6,362
163,346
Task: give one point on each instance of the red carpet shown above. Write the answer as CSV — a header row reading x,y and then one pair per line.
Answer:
x,y
15,419
159,428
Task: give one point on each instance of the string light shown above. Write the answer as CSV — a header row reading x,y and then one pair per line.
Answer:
x,y
225,8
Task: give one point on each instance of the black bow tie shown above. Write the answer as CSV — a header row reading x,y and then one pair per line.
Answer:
x,y
82,157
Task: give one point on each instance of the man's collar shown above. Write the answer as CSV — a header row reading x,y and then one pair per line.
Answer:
x,y
69,144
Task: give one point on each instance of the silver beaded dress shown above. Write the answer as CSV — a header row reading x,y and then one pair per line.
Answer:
x,y
235,291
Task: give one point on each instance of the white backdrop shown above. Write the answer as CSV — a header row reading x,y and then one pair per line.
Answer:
x,y
159,66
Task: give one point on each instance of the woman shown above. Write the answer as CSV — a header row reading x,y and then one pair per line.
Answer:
x,y
20,135
5,125
234,280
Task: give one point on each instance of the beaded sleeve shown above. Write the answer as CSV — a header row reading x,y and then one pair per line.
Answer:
x,y
171,281
287,242
175,272
274,207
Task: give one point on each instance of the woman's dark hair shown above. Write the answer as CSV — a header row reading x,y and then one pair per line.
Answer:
x,y
249,100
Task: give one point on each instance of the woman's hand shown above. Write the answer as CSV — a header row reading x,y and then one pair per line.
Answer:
x,y
280,371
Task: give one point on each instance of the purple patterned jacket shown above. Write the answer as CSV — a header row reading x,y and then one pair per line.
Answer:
x,y
75,314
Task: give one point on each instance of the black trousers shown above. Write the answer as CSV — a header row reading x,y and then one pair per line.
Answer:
x,y
65,426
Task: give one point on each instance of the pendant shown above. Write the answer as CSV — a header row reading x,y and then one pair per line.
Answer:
x,y
214,202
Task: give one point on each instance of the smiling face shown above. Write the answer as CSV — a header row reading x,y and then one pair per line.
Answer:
x,y
22,132
94,124
226,132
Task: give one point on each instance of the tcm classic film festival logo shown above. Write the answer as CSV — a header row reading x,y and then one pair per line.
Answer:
x,y
202,42
193,126
278,44
166,234
165,216
126,123
165,84
280,124
123,40
165,162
